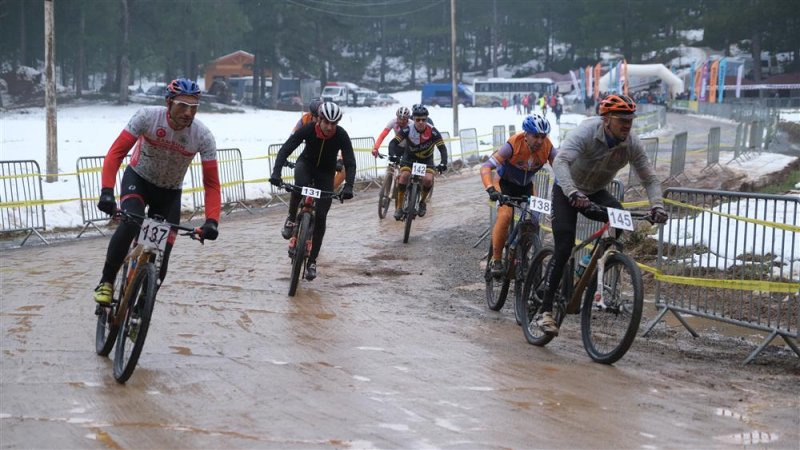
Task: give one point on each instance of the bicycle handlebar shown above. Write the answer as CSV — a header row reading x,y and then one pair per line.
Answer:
x,y
638,215
196,233
323,194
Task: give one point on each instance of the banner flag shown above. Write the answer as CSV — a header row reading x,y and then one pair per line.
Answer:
x,y
597,81
739,75
575,84
712,82
626,83
723,69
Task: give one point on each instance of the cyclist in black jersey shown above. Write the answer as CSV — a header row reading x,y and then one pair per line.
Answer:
x,y
316,167
420,140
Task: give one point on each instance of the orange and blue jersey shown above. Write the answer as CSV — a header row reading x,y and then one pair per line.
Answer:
x,y
516,163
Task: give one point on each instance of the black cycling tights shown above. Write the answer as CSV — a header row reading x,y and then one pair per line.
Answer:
x,y
564,222
319,179
135,192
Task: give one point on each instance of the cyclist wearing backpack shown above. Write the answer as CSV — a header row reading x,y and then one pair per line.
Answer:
x,y
420,139
516,163
316,166
312,116
166,139
587,161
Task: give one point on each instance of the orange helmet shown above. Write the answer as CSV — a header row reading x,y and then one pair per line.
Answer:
x,y
619,104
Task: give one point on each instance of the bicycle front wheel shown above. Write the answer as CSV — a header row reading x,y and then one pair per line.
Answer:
x,y
300,251
411,209
133,329
525,251
496,288
385,197
608,329
530,302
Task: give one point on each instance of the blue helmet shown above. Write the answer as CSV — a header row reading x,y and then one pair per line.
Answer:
x,y
182,86
536,123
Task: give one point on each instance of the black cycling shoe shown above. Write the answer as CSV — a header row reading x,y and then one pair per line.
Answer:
x,y
288,228
398,214
423,208
311,270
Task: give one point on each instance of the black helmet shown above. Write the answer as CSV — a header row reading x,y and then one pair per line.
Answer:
x,y
313,106
419,111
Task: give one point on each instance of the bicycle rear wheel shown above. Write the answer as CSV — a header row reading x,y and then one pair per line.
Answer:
x,y
609,331
411,209
385,197
529,304
496,288
300,251
133,329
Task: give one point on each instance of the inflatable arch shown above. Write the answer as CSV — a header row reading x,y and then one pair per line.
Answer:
x,y
649,70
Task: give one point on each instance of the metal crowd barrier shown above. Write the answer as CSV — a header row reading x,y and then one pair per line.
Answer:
x,y
678,158
231,180
286,173
21,198
470,153
366,165
731,257
498,136
712,157
89,170
651,149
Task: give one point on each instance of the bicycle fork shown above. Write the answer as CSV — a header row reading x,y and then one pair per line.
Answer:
x,y
599,293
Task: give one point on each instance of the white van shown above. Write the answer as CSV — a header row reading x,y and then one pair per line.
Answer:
x,y
340,92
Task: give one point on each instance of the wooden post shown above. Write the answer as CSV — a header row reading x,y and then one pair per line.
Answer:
x,y
453,68
50,92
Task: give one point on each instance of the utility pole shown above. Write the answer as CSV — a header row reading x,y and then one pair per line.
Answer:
x,y
50,92
453,68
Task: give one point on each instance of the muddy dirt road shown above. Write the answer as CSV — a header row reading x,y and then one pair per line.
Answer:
x,y
391,347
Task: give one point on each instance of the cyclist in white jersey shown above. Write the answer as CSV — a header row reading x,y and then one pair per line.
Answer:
x,y
166,140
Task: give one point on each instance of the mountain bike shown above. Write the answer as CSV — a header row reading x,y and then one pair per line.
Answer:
x,y
611,309
301,241
126,321
411,200
388,192
522,241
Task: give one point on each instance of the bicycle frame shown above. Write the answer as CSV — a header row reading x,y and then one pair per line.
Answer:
x,y
604,245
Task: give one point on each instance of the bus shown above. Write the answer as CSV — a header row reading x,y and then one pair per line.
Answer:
x,y
492,91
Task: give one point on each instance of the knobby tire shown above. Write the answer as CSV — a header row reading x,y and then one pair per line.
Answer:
x,y
107,329
496,288
529,303
608,334
385,198
142,298
411,209
300,255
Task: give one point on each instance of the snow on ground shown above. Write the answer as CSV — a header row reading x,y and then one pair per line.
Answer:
x,y
89,130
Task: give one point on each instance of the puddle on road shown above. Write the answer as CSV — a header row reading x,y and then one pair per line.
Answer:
x,y
753,437
185,351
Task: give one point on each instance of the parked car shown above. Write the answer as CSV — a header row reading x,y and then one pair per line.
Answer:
x,y
290,100
155,91
384,100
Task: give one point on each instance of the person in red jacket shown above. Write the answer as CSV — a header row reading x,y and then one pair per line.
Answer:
x,y
166,141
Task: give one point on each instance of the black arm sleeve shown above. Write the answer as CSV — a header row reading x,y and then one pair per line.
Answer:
x,y
287,148
349,158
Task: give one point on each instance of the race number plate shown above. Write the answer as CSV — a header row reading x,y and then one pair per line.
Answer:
x,y
419,169
311,192
153,234
619,218
541,205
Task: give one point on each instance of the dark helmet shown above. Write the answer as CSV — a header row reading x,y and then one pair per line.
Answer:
x,y
313,106
419,111
536,124
619,104
182,86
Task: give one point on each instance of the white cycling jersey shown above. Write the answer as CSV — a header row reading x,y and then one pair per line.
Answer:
x,y
162,155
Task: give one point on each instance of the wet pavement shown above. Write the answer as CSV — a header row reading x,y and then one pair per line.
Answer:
x,y
380,351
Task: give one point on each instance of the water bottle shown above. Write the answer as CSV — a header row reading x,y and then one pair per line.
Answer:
x,y
582,264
